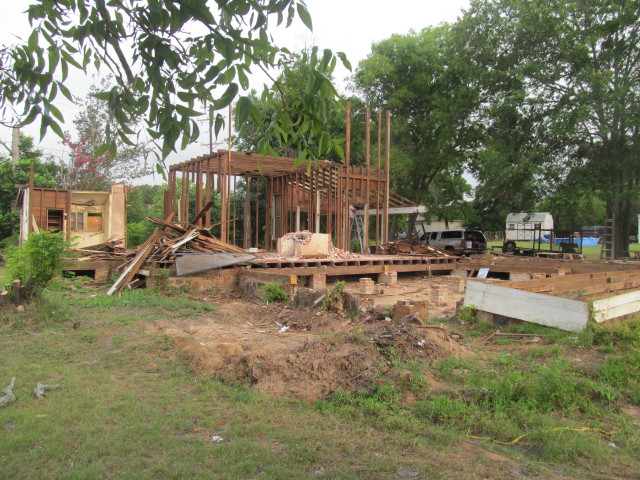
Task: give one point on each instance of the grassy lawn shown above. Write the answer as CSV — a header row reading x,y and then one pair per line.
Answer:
x,y
590,253
130,408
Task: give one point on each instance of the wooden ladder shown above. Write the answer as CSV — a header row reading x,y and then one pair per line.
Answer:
x,y
606,252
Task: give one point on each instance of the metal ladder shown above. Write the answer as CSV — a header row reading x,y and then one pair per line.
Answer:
x,y
356,230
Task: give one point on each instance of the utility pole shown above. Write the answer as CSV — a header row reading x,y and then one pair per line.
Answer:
x,y
15,146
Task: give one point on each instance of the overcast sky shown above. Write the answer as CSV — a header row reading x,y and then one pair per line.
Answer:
x,y
350,26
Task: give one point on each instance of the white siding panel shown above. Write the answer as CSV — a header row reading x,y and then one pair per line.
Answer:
x,y
563,313
616,306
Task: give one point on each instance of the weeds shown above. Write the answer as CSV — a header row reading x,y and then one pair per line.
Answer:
x,y
334,301
274,293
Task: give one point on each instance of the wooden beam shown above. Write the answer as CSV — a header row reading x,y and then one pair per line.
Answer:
x,y
246,228
387,161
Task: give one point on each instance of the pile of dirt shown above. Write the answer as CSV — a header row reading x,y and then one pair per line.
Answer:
x,y
294,362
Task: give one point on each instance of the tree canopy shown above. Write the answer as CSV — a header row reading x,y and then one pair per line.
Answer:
x,y
419,80
88,170
167,58
569,71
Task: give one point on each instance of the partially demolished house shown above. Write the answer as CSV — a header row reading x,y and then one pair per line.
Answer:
x,y
324,197
89,218
308,214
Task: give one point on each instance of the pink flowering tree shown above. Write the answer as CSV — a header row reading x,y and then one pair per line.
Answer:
x,y
87,167
87,171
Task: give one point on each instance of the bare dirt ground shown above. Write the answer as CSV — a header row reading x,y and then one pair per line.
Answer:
x,y
303,353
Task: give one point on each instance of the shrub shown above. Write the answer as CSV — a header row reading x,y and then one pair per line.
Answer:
x,y
274,293
138,232
38,260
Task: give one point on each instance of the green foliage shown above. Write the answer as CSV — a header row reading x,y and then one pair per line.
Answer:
x,y
162,74
274,293
556,80
468,315
138,232
144,298
333,300
441,409
275,123
46,174
39,259
418,78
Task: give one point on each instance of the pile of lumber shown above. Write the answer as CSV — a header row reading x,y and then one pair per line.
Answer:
x,y
404,248
179,239
111,250
168,240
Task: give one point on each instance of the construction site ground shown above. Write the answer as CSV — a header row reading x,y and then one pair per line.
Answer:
x,y
158,385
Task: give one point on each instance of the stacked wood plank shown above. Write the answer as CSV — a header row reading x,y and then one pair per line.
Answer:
x,y
404,248
110,250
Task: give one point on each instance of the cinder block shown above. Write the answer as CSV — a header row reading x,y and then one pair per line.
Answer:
x,y
319,281
403,308
388,278
367,286
401,311
439,294
519,277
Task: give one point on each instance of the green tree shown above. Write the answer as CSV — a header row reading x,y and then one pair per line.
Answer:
x,y
419,80
574,66
46,174
278,117
167,57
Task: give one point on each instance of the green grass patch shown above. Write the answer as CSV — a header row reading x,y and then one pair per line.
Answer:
x,y
129,406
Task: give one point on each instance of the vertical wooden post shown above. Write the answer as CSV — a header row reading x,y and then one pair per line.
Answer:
x,y
67,220
223,200
330,201
268,214
346,226
256,240
367,194
378,178
246,229
339,208
235,203
199,191
387,162
183,195
207,194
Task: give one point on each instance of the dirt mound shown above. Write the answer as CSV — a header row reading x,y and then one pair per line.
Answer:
x,y
296,361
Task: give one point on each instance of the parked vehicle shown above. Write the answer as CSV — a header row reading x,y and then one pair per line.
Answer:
x,y
464,241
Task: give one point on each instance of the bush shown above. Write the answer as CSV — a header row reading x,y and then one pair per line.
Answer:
x,y
138,232
274,293
38,260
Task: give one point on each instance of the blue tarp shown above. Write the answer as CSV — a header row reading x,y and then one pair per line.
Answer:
x,y
586,242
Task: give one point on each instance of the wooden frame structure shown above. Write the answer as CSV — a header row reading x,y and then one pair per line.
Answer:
x,y
321,198
87,217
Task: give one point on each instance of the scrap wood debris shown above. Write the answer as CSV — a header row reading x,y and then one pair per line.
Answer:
x,y
168,240
38,392
8,396
414,248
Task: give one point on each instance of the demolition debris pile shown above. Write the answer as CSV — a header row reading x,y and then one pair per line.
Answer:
x,y
167,241
413,248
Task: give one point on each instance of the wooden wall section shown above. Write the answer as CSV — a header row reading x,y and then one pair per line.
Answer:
x,y
44,201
